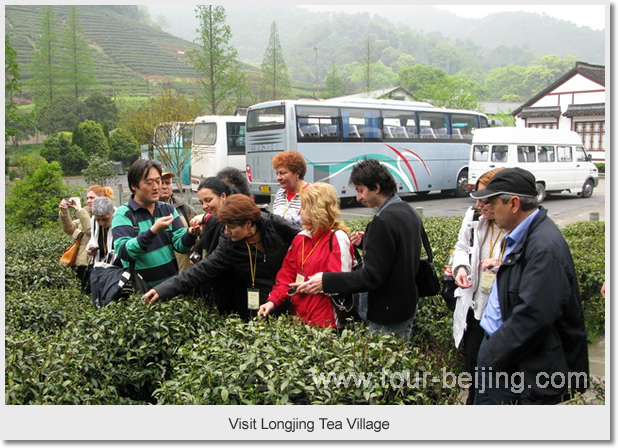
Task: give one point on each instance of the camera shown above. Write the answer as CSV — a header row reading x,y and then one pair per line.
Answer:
x,y
70,201
195,257
292,290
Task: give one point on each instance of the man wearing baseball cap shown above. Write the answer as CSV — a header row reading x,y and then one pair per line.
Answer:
x,y
535,349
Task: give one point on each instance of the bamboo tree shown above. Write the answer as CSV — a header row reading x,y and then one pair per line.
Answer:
x,y
77,64
275,78
216,60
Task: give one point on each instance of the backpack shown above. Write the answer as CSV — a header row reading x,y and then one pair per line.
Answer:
x,y
110,282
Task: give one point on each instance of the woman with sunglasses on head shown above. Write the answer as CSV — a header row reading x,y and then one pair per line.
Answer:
x,y
476,256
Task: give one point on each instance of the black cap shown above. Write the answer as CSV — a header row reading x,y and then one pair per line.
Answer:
x,y
515,181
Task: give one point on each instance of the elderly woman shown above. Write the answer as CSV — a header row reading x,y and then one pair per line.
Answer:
x,y
290,168
81,225
477,254
251,253
101,244
322,246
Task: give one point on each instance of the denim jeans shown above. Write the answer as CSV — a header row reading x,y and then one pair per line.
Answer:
x,y
401,329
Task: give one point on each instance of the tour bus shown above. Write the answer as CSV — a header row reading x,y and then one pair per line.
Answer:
x,y
218,142
556,158
425,148
175,139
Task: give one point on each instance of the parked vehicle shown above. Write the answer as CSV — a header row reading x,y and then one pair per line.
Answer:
x,y
556,158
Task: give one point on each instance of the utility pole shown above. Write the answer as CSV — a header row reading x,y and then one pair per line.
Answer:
x,y
317,82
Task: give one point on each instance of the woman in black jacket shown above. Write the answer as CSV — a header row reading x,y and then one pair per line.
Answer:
x,y
252,252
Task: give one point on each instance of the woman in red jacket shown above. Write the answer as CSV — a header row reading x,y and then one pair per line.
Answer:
x,y
322,246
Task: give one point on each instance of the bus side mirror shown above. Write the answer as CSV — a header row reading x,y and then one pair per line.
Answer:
x,y
589,157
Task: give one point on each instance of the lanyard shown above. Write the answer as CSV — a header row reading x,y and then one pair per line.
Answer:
x,y
294,198
252,267
492,242
302,256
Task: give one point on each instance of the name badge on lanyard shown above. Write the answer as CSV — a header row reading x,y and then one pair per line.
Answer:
x,y
253,298
487,280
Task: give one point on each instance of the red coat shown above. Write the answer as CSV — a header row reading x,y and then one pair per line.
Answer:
x,y
329,251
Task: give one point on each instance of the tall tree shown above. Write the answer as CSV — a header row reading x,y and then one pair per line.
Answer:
x,y
367,64
275,78
156,124
12,86
216,60
45,63
77,64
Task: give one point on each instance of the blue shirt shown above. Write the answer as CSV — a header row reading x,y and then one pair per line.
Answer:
x,y
492,316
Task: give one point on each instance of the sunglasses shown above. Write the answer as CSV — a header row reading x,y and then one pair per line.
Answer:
x,y
486,201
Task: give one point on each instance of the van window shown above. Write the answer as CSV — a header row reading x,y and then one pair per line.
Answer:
x,y
564,154
580,154
546,154
480,153
526,154
500,153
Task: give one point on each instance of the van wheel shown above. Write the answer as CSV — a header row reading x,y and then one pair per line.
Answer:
x,y
587,189
462,185
540,192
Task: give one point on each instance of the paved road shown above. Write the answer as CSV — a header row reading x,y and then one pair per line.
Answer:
x,y
563,208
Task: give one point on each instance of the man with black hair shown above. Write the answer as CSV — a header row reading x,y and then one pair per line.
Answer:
x,y
391,247
160,230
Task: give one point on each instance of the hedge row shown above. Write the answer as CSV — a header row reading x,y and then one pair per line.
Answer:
x,y
59,350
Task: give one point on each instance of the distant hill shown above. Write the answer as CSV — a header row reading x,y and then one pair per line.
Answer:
x,y
125,52
130,56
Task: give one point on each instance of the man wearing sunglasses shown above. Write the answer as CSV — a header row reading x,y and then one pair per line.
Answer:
x,y
534,350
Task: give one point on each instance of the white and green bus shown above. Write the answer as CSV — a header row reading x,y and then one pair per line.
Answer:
x,y
426,148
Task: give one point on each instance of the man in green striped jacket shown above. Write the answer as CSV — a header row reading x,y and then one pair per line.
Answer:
x,y
160,229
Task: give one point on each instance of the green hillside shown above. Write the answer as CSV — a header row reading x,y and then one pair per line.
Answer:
x,y
129,57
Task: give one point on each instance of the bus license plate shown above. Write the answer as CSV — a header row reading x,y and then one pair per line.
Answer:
x,y
265,189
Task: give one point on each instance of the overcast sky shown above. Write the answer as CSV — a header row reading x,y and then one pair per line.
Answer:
x,y
592,15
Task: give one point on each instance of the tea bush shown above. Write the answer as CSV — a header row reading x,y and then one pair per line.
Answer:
x,y
59,350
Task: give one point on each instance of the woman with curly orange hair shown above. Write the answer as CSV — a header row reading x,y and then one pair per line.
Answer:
x,y
290,169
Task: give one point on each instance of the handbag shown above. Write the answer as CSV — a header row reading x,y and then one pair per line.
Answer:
x,y
427,282
70,253
448,292
110,283
348,305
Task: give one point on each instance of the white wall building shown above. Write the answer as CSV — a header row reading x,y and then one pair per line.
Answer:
x,y
575,102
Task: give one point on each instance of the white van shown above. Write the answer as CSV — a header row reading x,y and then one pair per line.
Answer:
x,y
556,158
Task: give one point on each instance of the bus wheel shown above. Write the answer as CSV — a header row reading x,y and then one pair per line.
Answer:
x,y
587,189
462,185
540,192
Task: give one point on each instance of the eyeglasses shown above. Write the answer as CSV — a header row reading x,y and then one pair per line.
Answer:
x,y
485,201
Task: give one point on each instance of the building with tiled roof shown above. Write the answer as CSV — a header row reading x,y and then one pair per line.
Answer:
x,y
575,102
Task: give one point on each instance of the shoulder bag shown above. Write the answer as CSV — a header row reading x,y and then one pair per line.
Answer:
x,y
427,281
70,253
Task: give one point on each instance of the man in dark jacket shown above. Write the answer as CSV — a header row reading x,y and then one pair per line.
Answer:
x,y
535,349
391,247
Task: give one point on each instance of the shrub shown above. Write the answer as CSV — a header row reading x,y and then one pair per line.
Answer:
x,y
90,137
99,171
32,202
587,243
123,147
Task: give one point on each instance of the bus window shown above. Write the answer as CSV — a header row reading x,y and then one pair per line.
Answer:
x,y
500,153
267,118
235,138
434,125
565,153
361,123
464,125
480,153
205,133
526,154
396,124
546,154
316,122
